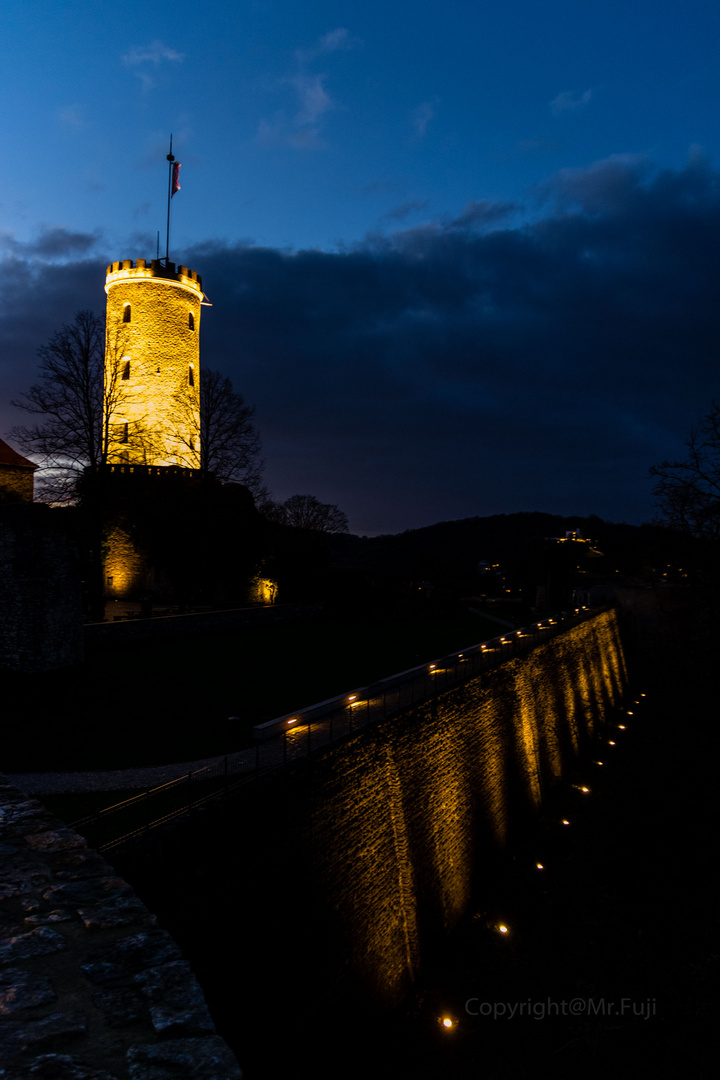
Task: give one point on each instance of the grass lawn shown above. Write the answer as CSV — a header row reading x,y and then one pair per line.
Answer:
x,y
164,701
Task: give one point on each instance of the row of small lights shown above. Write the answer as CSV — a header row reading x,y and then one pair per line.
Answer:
x,y
352,701
449,1022
433,669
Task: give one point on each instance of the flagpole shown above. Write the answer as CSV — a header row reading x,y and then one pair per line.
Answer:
x,y
170,160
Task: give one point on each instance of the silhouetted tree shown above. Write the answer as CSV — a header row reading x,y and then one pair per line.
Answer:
x,y
74,400
308,513
688,491
229,441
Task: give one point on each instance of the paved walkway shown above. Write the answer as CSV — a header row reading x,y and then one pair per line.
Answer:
x,y
56,783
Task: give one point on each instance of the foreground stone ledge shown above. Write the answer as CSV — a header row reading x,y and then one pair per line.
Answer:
x,y
90,987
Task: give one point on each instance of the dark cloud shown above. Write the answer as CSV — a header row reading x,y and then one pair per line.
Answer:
x,y
56,243
455,368
483,213
36,299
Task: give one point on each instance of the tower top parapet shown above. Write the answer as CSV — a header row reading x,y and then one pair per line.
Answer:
x,y
137,270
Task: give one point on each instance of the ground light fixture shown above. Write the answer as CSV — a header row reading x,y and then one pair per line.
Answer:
x,y
539,866
447,1022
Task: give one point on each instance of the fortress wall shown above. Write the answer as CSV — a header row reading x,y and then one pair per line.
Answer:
x,y
398,819
355,863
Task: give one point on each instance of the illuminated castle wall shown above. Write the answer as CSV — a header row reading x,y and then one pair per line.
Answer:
x,y
363,858
152,364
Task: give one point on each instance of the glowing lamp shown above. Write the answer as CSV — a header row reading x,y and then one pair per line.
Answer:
x,y
447,1022
539,866
565,821
291,722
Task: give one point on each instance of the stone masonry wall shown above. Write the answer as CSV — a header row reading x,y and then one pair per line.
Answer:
x,y
351,865
90,987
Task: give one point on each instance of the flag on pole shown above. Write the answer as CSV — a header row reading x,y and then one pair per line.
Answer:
x,y
175,179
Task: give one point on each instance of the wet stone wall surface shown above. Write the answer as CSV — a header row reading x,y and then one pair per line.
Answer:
x,y
90,987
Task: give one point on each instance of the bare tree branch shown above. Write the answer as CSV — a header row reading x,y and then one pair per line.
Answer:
x,y
688,492
229,442
68,400
307,512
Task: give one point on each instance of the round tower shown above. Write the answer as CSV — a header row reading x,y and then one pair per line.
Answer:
x,y
152,364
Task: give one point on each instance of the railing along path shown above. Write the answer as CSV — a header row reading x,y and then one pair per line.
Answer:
x,y
298,735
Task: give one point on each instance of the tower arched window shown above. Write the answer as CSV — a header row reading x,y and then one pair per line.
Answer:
x,y
125,433
126,313
126,367
191,320
191,376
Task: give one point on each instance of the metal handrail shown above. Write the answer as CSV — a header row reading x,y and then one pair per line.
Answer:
x,y
283,741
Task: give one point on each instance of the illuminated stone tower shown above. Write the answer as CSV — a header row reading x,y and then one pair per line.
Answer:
x,y
152,364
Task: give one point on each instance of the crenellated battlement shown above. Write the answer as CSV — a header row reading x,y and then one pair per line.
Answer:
x,y
138,269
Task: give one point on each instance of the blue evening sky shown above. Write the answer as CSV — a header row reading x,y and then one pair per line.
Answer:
x,y
311,124
374,130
